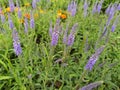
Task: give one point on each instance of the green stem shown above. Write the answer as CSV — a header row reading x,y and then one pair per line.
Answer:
x,y
81,78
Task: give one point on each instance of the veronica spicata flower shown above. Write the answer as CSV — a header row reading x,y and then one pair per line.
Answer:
x,y
26,25
11,5
32,23
72,7
91,86
111,14
10,22
94,10
85,8
34,4
94,58
65,34
118,7
115,23
55,33
69,39
19,11
50,29
2,16
99,6
16,43
108,9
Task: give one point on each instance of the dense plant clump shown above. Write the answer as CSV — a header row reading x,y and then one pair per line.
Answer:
x,y
59,45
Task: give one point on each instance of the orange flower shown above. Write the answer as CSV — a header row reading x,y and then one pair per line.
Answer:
x,y
8,9
63,16
27,15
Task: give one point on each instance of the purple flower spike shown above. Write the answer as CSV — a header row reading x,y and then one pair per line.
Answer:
x,y
16,43
73,11
55,33
74,27
115,23
94,8
32,23
11,5
94,58
99,6
50,29
37,0
26,25
113,27
72,7
10,22
111,14
85,8
108,10
34,4
71,36
55,36
91,86
65,35
2,18
19,11
118,7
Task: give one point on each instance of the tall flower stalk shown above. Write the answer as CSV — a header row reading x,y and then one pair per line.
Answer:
x,y
99,6
19,10
68,40
32,23
26,25
72,7
115,23
54,34
11,5
34,4
2,16
85,8
111,13
16,43
94,10
92,60
91,86
11,25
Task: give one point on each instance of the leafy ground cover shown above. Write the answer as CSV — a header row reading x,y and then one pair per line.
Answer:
x,y
59,45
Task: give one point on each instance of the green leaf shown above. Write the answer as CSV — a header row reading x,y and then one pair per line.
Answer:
x,y
1,62
5,77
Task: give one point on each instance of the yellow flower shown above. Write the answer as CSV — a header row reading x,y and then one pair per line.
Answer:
x,y
41,11
8,9
16,9
36,15
21,20
59,13
27,4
